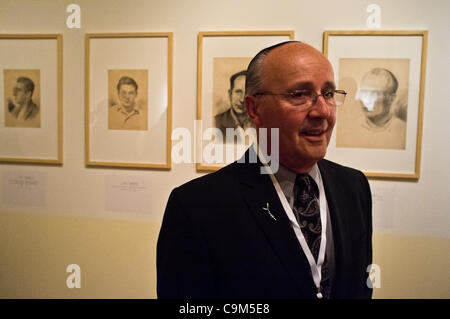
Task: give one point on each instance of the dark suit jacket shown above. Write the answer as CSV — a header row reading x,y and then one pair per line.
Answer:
x,y
216,241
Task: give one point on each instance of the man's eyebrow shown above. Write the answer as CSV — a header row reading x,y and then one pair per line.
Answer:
x,y
329,85
310,86
302,86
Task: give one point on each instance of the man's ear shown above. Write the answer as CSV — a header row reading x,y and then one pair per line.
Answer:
x,y
251,104
392,97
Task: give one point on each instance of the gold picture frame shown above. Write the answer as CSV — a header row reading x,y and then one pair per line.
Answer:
x,y
222,58
128,134
379,127
31,125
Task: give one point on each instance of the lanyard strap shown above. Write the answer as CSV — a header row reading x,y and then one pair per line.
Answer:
x,y
315,267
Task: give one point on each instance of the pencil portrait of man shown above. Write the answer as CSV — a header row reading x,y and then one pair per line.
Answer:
x,y
22,98
376,113
127,108
228,94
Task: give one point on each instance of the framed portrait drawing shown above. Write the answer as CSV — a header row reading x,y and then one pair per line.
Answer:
x,y
379,127
128,100
31,98
223,128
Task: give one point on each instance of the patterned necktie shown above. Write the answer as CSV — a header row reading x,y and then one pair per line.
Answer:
x,y
307,212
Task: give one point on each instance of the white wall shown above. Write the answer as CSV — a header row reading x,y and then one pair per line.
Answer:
x,y
420,214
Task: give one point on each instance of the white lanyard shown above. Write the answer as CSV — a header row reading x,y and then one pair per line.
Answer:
x,y
315,267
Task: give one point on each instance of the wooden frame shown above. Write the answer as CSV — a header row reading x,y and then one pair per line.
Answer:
x,y
261,40
53,74
164,94
416,89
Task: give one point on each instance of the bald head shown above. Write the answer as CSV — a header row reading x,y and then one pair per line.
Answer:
x,y
379,79
275,61
289,50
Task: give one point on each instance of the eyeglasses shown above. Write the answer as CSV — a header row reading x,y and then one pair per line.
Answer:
x,y
307,98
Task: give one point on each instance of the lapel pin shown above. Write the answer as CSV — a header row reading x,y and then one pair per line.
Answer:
x,y
267,209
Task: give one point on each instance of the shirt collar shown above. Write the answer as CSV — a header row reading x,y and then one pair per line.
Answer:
x,y
122,109
286,178
285,174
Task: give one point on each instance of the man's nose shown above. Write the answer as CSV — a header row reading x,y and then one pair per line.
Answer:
x,y
320,108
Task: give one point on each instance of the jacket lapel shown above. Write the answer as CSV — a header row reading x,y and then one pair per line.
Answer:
x,y
262,200
339,225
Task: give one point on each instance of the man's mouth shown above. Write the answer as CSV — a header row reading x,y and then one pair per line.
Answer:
x,y
313,132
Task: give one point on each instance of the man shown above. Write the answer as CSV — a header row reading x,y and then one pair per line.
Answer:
x,y
237,233
23,111
376,95
236,116
126,115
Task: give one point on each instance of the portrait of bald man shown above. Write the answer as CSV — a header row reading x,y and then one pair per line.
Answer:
x,y
302,231
377,106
